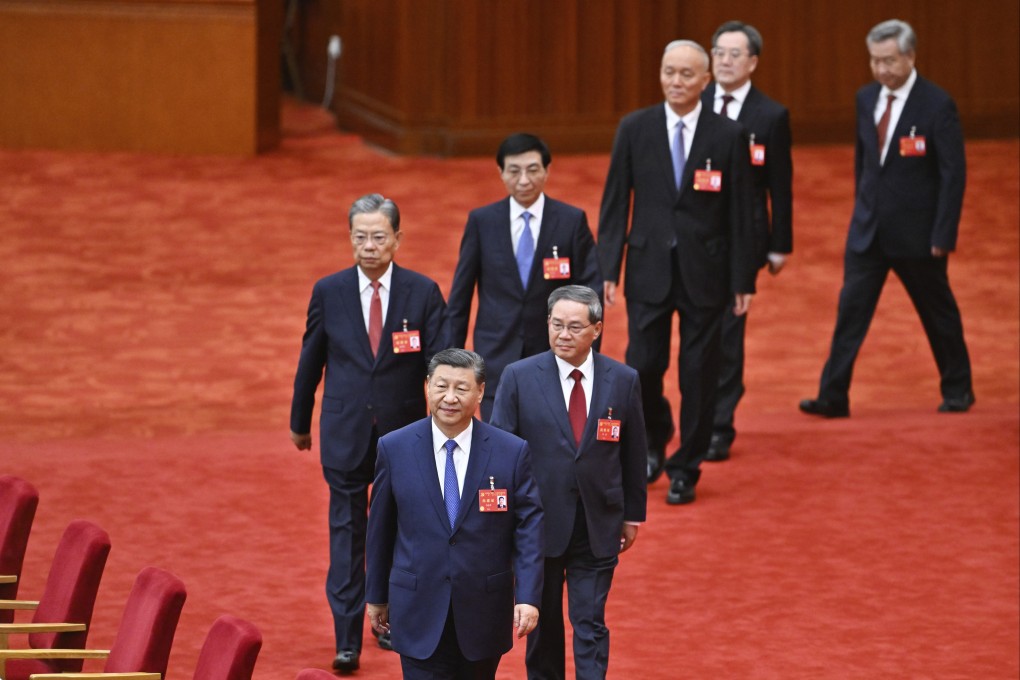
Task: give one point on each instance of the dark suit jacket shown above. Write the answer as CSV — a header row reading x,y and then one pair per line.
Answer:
x,y
511,321
609,476
911,203
421,567
711,233
388,389
769,122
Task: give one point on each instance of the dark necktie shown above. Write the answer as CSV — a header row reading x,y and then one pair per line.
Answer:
x,y
525,250
451,493
883,123
679,155
726,99
375,319
578,411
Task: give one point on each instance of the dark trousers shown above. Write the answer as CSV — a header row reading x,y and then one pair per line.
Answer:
x,y
927,283
588,580
348,523
648,350
448,662
731,376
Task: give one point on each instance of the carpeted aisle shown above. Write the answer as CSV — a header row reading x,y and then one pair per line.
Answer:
x,y
152,311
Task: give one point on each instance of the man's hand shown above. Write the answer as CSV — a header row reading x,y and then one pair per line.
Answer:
x,y
609,293
776,263
938,252
628,536
302,441
525,619
379,617
742,303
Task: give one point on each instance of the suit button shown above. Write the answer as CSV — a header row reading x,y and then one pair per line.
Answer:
x,y
368,406
453,541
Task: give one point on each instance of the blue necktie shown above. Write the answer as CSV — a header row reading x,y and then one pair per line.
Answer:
x,y
525,250
451,493
679,159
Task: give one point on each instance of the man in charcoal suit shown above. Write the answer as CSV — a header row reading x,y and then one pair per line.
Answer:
x,y
736,47
452,573
910,172
581,413
373,328
681,176
505,251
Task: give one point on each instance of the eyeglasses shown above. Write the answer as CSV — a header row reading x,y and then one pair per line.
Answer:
x,y
379,238
573,329
735,54
532,171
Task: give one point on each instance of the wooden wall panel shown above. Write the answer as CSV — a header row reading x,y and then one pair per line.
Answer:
x,y
169,76
455,76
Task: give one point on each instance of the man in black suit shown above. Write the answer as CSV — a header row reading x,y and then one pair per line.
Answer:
x,y
581,413
690,249
910,172
373,328
517,251
736,47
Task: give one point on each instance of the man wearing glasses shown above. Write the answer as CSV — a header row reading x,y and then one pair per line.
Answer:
x,y
517,251
581,414
736,47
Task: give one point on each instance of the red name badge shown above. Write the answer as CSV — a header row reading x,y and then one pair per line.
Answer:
x,y
708,180
757,154
492,500
556,268
609,430
912,146
406,341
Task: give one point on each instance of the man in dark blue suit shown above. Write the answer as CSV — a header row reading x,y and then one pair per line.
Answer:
x,y
910,172
680,175
581,413
736,47
517,251
373,328
452,571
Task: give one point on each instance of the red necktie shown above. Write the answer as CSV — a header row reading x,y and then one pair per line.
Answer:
x,y
883,123
375,319
578,411
726,99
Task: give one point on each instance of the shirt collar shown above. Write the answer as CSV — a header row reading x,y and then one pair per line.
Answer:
x,y
463,439
587,367
536,208
739,94
690,119
364,281
903,91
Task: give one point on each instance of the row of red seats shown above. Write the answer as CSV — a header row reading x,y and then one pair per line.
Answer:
x,y
62,614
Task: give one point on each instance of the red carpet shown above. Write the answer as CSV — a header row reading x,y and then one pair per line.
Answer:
x,y
152,314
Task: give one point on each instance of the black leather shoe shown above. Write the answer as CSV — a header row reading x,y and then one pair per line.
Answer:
x,y
825,409
718,450
383,640
680,492
346,661
957,404
656,464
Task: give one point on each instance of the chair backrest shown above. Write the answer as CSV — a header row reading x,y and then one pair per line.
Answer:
x,y
147,627
71,589
18,501
315,674
230,650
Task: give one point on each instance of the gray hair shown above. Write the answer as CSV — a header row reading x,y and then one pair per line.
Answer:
x,y
375,203
754,41
582,294
693,45
906,39
459,358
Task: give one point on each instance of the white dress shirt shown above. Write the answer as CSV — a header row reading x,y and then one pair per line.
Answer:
x,y
567,383
897,108
690,126
739,96
517,220
365,286
460,455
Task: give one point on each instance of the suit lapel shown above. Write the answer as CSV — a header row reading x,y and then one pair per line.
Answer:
x,y
749,109
548,379
870,133
660,151
351,298
697,158
546,240
602,381
907,114
399,294
504,243
478,461
426,458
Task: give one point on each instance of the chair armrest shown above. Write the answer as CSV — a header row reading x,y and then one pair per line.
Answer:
x,y
8,654
9,628
95,676
19,604
8,578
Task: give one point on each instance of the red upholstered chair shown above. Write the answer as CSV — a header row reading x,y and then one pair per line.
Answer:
x,y
64,610
144,637
18,501
230,650
315,674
